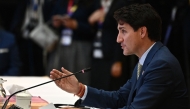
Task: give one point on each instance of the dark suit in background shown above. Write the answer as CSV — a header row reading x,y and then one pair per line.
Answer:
x,y
9,55
186,44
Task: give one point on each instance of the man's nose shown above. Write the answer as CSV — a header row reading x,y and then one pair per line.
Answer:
x,y
119,39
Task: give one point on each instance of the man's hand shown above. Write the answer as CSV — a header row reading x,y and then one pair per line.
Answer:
x,y
57,21
97,16
68,84
65,21
69,22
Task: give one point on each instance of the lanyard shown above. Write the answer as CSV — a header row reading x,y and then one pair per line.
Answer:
x,y
35,5
100,23
105,7
71,8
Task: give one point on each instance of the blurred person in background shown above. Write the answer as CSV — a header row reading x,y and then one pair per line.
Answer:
x,y
70,19
175,33
31,53
108,62
9,55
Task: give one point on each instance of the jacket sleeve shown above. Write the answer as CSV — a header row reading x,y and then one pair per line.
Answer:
x,y
107,99
156,86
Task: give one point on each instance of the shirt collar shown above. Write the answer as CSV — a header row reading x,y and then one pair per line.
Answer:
x,y
142,59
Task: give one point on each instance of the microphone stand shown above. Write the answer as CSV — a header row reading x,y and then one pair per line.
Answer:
x,y
7,100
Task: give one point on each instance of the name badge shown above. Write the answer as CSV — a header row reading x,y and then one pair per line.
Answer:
x,y
66,38
97,44
4,50
97,53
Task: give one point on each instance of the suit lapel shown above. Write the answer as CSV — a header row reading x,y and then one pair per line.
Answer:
x,y
136,83
151,53
149,57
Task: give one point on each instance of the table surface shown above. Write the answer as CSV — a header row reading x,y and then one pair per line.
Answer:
x,y
49,92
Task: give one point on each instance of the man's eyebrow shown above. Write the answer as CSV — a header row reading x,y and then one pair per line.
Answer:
x,y
119,28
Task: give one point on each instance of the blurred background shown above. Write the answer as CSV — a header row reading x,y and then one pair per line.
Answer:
x,y
83,35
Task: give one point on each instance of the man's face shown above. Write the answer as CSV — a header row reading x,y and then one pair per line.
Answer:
x,y
129,39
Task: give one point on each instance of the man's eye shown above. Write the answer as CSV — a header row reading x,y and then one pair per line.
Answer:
x,y
123,31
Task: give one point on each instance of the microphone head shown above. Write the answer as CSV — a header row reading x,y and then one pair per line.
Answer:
x,y
85,70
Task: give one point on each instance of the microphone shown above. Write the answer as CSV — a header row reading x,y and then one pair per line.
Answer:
x,y
7,100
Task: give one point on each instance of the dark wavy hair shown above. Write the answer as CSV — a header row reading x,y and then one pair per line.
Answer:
x,y
139,15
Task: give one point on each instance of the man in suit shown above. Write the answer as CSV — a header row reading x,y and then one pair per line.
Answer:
x,y
159,82
9,56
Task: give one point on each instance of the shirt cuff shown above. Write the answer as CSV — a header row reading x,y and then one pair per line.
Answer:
x,y
85,93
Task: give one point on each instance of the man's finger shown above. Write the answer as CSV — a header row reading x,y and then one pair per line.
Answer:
x,y
65,71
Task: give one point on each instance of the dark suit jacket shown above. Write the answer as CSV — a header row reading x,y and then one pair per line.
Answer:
x,y
9,57
161,85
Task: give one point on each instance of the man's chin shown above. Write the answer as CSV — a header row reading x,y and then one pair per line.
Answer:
x,y
126,53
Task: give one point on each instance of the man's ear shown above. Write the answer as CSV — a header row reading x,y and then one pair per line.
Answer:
x,y
143,31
